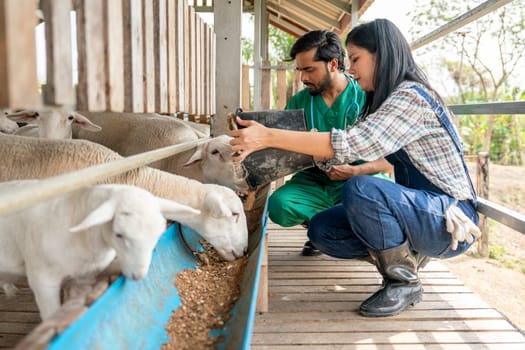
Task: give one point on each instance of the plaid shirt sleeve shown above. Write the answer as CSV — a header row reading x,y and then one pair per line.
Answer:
x,y
406,121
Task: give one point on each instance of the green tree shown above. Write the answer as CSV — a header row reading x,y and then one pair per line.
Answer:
x,y
476,76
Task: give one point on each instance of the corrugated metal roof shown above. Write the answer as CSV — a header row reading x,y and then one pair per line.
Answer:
x,y
297,17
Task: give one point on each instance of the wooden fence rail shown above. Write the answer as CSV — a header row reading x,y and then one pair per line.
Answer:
x,y
133,56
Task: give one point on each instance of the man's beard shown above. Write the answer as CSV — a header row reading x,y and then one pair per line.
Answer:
x,y
323,85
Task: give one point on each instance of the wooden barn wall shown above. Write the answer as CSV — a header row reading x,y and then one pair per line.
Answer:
x,y
133,56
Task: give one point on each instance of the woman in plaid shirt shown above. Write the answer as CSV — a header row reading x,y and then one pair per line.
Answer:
x,y
430,211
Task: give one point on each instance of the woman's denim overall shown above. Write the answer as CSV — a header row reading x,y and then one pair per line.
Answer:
x,y
377,214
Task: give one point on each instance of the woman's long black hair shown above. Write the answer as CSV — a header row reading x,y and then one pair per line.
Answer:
x,y
394,60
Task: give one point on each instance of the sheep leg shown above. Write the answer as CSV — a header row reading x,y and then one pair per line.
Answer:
x,y
47,293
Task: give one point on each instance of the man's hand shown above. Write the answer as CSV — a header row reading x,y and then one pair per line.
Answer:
x,y
460,227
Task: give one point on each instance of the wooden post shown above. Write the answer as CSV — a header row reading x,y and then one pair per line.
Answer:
x,y
482,189
59,76
281,86
18,80
161,55
297,84
133,57
266,85
245,88
149,55
114,56
91,92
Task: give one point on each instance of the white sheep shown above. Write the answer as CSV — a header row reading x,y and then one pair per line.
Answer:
x,y
133,133
51,123
8,126
78,234
223,222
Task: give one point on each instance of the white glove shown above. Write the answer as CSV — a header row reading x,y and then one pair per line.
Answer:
x,y
460,227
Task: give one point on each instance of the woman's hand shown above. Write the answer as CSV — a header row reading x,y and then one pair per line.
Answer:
x,y
342,172
248,139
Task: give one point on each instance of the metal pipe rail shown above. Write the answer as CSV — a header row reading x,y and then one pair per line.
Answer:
x,y
469,16
502,215
12,200
516,107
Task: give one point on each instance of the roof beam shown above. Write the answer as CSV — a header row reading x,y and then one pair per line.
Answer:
x,y
288,27
313,13
291,16
344,6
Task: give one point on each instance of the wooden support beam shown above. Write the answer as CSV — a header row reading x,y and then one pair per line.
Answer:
x,y
114,48
133,56
18,79
59,89
149,55
161,55
91,92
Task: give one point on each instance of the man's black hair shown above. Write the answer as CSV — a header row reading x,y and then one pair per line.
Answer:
x,y
328,45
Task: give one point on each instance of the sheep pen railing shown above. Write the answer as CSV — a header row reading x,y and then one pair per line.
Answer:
x,y
133,56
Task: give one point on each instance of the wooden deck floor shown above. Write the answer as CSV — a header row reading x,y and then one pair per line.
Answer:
x,y
313,303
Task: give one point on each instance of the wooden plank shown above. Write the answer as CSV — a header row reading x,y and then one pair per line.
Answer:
x,y
16,327
197,63
266,86
114,47
91,91
148,27
425,337
365,325
133,57
411,313
262,294
20,316
314,304
245,91
172,43
192,57
213,85
209,72
391,346
334,306
454,286
18,79
58,89
187,57
161,56
281,86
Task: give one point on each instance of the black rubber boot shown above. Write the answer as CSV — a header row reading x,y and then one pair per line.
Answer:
x,y
401,285
310,250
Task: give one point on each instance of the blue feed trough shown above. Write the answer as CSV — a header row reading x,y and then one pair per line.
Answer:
x,y
133,315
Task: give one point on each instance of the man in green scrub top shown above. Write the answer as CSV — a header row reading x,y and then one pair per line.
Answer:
x,y
331,99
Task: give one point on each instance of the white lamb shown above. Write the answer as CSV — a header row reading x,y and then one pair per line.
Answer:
x,y
52,123
8,126
223,222
133,133
78,234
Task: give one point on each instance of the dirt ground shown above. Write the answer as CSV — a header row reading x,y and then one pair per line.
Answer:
x,y
499,281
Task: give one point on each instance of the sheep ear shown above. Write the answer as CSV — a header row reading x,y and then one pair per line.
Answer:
x,y
85,123
25,116
104,213
176,211
195,158
215,206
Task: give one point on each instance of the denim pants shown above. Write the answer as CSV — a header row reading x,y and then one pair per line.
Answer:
x,y
377,214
